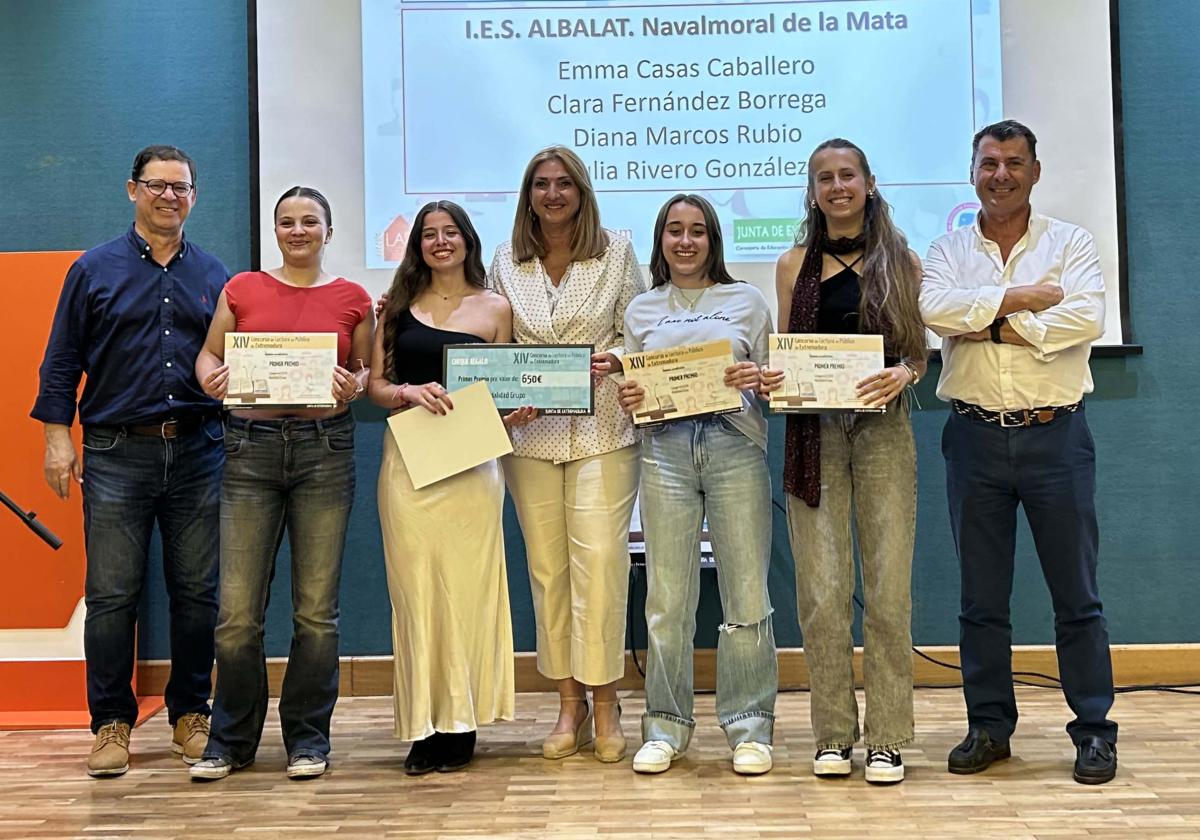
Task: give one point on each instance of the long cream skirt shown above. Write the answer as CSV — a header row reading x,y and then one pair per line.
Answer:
x,y
451,627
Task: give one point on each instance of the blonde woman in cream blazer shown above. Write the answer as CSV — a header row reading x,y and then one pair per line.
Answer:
x,y
574,479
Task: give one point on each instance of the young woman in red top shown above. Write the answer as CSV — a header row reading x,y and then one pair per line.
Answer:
x,y
286,467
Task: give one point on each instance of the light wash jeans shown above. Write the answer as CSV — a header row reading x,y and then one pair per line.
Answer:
x,y
868,460
691,468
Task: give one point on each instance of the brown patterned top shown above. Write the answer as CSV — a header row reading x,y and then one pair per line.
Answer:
x,y
802,447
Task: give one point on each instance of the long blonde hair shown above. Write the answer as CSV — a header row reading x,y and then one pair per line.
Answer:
x,y
589,239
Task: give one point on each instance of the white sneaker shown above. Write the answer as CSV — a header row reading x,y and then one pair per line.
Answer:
x,y
750,758
654,757
305,766
211,769
831,761
884,767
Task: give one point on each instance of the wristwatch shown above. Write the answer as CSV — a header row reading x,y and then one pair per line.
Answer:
x,y
995,330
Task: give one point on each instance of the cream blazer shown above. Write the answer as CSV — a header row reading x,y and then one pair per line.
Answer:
x,y
591,305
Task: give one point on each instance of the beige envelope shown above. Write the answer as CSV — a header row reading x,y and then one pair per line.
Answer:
x,y
436,446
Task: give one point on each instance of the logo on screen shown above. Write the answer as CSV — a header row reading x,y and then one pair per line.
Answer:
x,y
394,239
962,216
763,236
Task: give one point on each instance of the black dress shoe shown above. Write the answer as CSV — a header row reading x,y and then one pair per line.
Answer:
x,y
421,758
1095,761
455,750
976,753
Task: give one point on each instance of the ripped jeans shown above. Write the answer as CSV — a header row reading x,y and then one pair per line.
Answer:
x,y
690,469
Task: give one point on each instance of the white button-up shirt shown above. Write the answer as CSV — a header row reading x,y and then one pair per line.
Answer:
x,y
964,282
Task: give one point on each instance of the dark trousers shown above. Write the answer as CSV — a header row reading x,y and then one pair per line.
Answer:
x,y
129,484
296,475
1051,471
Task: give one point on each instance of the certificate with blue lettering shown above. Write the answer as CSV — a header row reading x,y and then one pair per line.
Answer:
x,y
553,378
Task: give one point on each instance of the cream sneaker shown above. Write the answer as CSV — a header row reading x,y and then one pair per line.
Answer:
x,y
654,757
750,758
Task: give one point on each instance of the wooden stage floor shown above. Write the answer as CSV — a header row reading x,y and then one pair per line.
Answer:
x,y
510,791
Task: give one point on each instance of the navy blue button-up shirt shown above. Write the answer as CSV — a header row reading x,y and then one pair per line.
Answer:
x,y
135,328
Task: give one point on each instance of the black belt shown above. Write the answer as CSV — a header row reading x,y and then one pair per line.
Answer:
x,y
1017,417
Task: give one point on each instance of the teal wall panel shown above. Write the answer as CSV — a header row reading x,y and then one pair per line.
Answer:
x,y
83,85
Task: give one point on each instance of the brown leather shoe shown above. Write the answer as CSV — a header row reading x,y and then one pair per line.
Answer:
x,y
110,752
190,737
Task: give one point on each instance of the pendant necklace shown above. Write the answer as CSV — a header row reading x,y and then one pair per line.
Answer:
x,y
690,302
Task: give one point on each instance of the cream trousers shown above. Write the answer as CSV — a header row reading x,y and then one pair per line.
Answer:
x,y
575,520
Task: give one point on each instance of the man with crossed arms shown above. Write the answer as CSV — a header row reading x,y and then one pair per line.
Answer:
x,y
1018,298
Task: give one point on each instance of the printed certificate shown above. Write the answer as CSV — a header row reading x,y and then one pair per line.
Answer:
x,y
821,371
683,382
280,369
553,378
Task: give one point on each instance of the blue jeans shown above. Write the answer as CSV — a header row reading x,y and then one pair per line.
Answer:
x,y
297,474
690,469
129,483
1050,470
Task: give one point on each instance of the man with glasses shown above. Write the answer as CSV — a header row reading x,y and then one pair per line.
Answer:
x,y
132,315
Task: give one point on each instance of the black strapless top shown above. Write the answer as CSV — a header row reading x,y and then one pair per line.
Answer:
x,y
417,349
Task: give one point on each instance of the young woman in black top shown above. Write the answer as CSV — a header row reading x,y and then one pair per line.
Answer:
x,y
451,629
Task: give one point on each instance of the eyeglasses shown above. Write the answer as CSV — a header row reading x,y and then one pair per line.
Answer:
x,y
156,186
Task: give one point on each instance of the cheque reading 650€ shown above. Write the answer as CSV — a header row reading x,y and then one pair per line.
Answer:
x,y
553,378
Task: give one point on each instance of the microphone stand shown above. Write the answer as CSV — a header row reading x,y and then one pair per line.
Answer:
x,y
30,519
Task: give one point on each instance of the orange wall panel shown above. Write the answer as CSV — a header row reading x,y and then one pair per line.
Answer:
x,y
41,587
